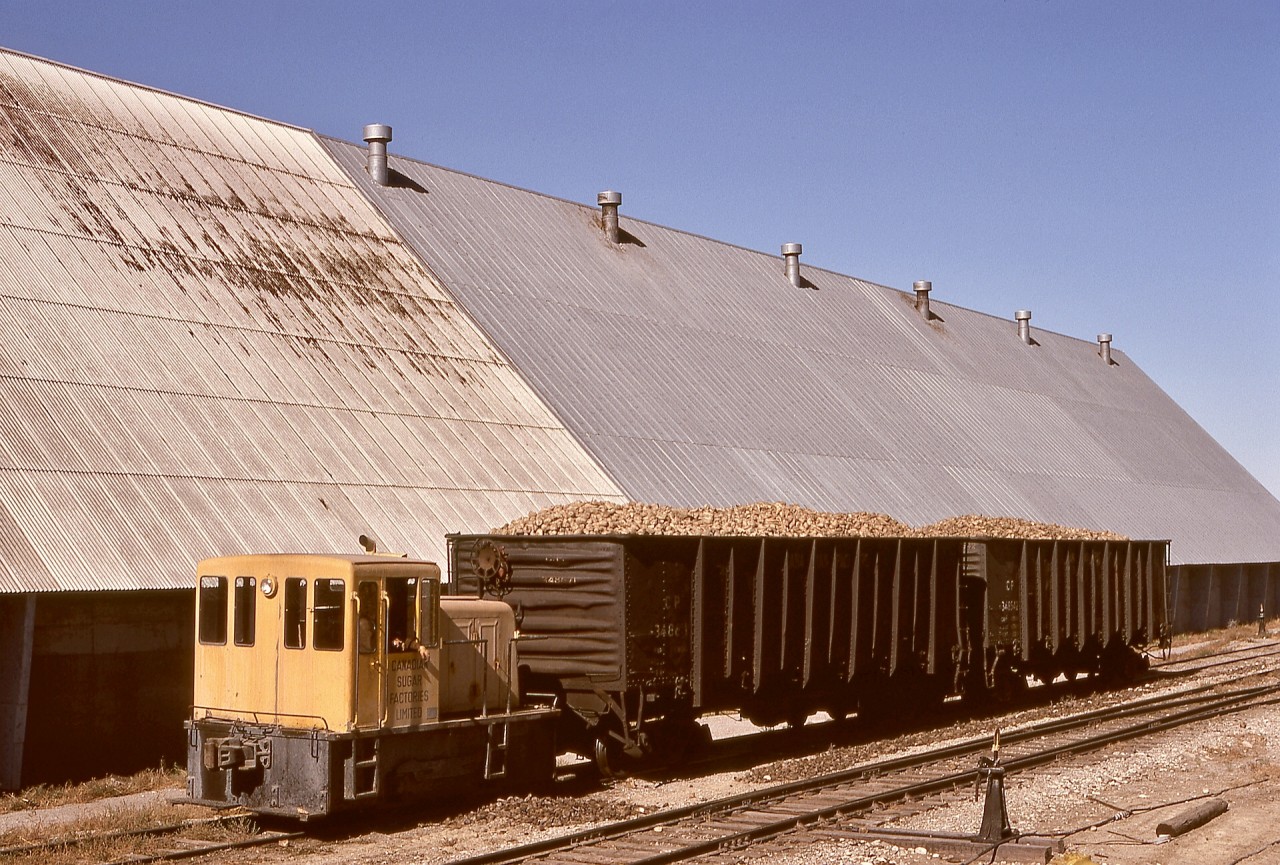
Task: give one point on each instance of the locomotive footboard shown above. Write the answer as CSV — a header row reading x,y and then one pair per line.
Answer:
x,y
310,773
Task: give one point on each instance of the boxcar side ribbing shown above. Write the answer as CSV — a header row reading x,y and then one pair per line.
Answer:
x,y
632,629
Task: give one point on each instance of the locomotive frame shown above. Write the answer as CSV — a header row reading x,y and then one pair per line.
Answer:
x,y
327,682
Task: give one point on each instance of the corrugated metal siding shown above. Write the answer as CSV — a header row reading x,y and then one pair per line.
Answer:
x,y
211,343
695,373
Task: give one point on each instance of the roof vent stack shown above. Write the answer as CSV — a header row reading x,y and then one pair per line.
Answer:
x,y
1024,325
377,135
609,202
923,287
1104,347
791,254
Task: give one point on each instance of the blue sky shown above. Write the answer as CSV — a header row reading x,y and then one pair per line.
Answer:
x,y
1110,166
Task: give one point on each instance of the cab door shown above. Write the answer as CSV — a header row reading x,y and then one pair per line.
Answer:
x,y
370,651
412,692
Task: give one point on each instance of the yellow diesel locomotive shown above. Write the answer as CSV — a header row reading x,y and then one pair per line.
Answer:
x,y
325,683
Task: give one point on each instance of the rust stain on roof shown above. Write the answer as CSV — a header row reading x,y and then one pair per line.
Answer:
x,y
243,346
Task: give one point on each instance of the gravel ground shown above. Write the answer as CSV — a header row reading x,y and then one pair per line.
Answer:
x,y
1237,758
1125,791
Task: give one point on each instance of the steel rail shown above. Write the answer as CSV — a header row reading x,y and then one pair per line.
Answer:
x,y
729,752
205,849
1262,652
791,822
1216,704
80,839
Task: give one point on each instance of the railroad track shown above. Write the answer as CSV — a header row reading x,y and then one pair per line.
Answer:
x,y
1218,659
729,753
838,803
169,842
191,839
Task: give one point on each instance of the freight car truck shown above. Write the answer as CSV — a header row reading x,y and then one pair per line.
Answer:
x,y
638,635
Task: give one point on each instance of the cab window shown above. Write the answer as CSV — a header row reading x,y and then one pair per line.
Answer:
x,y
429,613
402,598
329,616
213,610
295,613
245,609
367,626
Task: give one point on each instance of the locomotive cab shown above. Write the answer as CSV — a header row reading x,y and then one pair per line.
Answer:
x,y
322,682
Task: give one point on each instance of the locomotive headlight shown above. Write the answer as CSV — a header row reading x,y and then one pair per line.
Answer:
x,y
268,585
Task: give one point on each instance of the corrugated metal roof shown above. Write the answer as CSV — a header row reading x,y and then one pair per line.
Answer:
x,y
211,343
695,373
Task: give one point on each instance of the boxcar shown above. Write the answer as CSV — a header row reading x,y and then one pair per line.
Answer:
x,y
639,635
327,682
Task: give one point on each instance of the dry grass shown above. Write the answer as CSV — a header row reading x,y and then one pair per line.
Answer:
x,y
47,796
107,833
1205,643
115,820
107,838
92,851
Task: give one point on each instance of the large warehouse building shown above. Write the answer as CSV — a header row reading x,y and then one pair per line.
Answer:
x,y
226,334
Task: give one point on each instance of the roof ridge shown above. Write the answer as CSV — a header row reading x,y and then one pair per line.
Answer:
x,y
151,88
589,208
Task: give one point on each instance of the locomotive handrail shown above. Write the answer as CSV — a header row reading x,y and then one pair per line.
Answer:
x,y
353,635
256,715
382,654
512,684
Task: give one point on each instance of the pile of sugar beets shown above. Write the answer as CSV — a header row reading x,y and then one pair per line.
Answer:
x,y
772,519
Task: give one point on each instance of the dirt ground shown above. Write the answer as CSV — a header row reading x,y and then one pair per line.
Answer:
x,y
1122,794
1106,806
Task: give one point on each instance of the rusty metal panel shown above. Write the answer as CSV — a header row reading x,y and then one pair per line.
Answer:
x,y
700,635
944,596
811,622
1062,631
856,605
759,612
896,609
213,341
658,634
932,599
1110,591
730,617
785,608
572,592
1128,590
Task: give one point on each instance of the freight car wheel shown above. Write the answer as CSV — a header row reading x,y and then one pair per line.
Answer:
x,y
1008,684
607,750
1122,665
673,740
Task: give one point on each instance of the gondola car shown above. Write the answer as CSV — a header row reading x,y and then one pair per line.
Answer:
x,y
328,682
642,634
